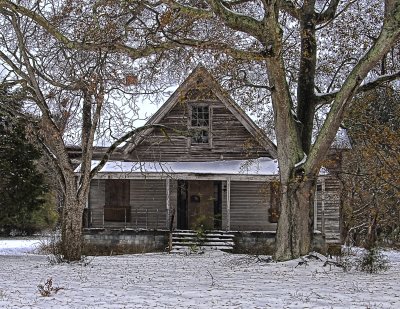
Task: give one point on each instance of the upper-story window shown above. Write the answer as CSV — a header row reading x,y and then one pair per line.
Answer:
x,y
200,124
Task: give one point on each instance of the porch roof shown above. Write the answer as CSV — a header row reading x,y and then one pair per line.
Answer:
x,y
257,167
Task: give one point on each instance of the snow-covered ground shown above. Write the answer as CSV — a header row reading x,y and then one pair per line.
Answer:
x,y
19,246
211,280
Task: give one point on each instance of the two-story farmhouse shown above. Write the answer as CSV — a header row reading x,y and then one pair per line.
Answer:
x,y
211,166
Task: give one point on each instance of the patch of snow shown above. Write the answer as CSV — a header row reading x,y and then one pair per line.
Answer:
x,y
302,161
210,280
261,166
18,246
323,171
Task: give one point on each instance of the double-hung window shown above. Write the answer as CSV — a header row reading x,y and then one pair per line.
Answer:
x,y
200,124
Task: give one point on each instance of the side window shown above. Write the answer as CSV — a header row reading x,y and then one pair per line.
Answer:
x,y
200,124
117,196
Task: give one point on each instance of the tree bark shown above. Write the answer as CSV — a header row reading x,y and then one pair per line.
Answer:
x,y
295,226
71,231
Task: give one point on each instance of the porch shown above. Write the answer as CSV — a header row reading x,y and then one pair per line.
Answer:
x,y
183,204
219,195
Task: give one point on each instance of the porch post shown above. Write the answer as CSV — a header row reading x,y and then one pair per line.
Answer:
x,y
228,204
316,208
167,200
323,205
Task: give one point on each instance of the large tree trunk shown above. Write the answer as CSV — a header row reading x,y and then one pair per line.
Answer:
x,y
71,234
295,226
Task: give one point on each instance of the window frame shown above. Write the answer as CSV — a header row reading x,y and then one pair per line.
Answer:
x,y
192,128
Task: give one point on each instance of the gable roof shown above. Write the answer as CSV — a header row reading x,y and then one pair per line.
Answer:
x,y
191,82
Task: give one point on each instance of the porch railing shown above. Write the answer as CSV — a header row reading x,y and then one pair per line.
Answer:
x,y
126,217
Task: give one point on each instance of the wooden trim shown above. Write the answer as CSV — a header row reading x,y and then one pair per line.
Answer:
x,y
167,199
185,176
323,206
210,126
228,204
316,208
199,103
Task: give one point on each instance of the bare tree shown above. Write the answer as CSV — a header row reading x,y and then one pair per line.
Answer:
x,y
61,55
301,55
311,57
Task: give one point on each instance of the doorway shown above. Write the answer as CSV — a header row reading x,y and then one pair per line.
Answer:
x,y
199,204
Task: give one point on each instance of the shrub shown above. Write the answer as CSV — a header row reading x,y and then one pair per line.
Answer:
x,y
372,261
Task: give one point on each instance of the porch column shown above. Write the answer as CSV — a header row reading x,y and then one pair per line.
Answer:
x,y
323,205
228,204
167,201
316,208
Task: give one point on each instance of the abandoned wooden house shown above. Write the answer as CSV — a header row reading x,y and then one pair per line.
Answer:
x,y
211,167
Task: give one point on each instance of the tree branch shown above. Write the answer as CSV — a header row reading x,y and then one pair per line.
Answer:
x,y
237,21
329,97
289,7
329,13
387,38
135,53
189,10
118,142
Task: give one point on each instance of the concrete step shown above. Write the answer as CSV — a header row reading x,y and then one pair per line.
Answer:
x,y
205,243
182,241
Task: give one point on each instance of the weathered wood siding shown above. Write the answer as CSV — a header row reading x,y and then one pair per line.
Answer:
x,y
229,138
173,189
148,203
328,208
249,206
224,207
97,202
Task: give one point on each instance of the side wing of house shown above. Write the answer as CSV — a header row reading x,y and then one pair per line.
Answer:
x,y
327,208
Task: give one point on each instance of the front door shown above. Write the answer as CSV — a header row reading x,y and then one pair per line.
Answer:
x,y
199,204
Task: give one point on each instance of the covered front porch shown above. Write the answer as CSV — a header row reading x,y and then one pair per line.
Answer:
x,y
222,195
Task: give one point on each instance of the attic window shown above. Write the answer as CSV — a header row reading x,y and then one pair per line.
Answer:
x,y
200,124
200,116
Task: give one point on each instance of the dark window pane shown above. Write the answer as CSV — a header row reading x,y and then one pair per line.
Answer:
x,y
117,196
200,137
200,116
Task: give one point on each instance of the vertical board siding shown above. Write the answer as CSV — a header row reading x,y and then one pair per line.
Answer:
x,y
249,206
97,201
148,203
224,217
173,189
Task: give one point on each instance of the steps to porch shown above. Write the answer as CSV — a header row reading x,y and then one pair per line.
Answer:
x,y
188,240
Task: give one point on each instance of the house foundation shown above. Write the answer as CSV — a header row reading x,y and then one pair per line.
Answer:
x,y
249,242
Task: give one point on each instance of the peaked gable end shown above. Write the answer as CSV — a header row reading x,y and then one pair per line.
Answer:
x,y
203,123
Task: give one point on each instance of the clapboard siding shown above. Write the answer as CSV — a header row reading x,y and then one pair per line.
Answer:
x,y
230,139
328,208
249,206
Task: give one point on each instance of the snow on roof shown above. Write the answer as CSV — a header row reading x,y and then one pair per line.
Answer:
x,y
261,167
